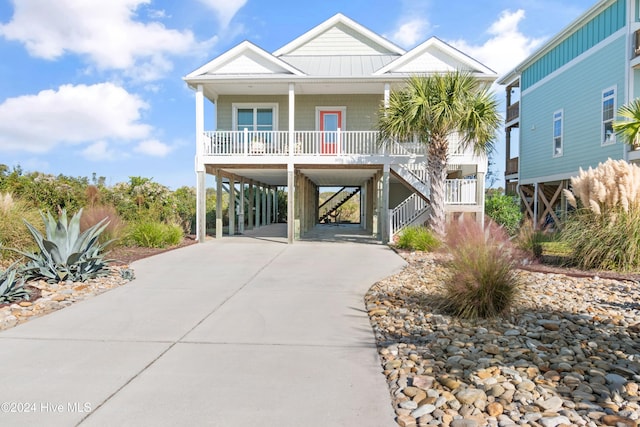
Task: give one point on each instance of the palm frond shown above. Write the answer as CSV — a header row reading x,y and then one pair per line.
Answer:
x,y
629,129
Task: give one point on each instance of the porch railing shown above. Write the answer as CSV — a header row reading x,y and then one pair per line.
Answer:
x,y
314,143
460,191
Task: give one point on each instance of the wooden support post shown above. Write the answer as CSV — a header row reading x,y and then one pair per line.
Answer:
x,y
252,199
232,207
219,224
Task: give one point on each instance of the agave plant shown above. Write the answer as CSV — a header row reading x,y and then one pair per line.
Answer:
x,y
11,289
66,253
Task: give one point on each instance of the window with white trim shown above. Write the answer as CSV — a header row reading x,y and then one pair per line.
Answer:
x,y
255,117
608,113
557,133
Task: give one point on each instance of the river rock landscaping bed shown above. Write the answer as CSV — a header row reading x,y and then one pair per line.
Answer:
x,y
55,296
568,353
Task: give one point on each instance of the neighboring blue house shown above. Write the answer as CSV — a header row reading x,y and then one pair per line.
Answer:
x,y
562,101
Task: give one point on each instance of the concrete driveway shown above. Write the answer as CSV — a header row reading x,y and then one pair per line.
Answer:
x,y
239,332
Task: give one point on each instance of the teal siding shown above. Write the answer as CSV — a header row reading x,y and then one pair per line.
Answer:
x,y
578,92
593,32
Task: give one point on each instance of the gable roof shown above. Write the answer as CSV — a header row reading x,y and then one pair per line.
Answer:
x,y
436,56
245,59
330,35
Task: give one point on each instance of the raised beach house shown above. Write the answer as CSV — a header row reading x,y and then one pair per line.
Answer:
x,y
304,117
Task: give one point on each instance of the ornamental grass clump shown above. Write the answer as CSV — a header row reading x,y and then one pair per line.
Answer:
x,y
482,282
114,230
604,231
417,238
13,231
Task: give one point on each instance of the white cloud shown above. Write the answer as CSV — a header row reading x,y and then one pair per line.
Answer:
x,y
153,147
98,151
71,115
408,33
506,47
105,32
225,10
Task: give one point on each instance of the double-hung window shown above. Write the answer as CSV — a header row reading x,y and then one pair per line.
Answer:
x,y
557,133
257,120
608,136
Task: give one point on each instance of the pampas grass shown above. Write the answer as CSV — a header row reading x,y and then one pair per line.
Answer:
x,y
604,232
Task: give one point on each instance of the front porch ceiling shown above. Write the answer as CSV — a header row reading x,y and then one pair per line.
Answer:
x,y
324,177
260,86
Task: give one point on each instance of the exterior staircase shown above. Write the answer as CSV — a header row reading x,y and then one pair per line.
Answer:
x,y
333,203
415,208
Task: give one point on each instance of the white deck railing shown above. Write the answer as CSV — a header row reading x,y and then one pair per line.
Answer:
x,y
406,212
460,191
314,143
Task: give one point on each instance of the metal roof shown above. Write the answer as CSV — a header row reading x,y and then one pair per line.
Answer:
x,y
339,65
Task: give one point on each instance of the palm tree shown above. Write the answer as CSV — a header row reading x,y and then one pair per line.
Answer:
x,y
435,108
629,129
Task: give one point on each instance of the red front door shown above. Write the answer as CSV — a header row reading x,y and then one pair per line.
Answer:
x,y
330,122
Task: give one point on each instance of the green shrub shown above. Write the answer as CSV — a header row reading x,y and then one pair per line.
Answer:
x,y
153,234
505,211
47,192
13,231
417,238
530,240
482,281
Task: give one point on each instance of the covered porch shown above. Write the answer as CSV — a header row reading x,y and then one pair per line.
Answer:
x,y
254,200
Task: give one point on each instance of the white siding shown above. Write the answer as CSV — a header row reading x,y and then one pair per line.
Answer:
x,y
340,40
432,60
249,63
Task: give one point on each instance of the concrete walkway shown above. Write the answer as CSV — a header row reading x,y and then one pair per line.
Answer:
x,y
239,332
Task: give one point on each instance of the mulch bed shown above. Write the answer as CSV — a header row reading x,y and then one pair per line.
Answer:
x,y
126,255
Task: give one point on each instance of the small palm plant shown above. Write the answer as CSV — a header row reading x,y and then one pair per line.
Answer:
x,y
629,129
65,253
11,288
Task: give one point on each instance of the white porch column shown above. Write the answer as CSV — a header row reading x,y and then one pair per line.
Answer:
x,y
241,213
291,181
292,121
384,211
387,94
232,206
480,196
258,205
201,209
218,205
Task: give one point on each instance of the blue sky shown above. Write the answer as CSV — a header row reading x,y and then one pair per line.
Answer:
x,y
96,86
